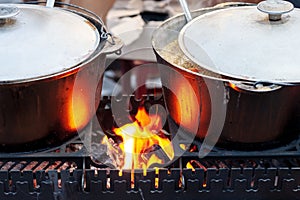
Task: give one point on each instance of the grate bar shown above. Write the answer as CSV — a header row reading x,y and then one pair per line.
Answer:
x,y
199,184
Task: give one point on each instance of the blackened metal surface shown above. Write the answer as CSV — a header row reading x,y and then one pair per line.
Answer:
x,y
212,183
69,172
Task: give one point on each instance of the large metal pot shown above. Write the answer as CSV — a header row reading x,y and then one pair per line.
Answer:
x,y
52,62
223,108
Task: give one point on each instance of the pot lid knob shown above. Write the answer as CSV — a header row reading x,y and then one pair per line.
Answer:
x,y
7,12
275,8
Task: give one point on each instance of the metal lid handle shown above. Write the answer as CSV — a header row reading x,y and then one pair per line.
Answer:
x,y
7,12
275,8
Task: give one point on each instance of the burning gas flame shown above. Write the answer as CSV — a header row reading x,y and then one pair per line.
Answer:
x,y
143,145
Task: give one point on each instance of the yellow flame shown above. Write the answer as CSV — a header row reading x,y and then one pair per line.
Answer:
x,y
140,136
190,166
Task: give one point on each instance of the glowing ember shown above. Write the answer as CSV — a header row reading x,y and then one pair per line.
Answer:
x,y
143,145
190,166
193,165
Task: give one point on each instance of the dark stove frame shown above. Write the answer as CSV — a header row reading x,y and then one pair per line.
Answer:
x,y
222,183
269,174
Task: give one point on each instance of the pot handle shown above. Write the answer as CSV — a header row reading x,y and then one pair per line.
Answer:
x,y
112,45
258,87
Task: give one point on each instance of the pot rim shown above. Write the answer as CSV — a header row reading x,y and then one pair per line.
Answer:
x,y
243,43
208,9
199,74
106,41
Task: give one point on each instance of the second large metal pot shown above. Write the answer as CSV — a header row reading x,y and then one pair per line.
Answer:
x,y
202,102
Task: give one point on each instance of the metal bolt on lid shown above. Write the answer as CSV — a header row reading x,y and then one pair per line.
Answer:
x,y
275,8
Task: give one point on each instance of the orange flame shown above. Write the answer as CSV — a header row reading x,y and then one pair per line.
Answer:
x,y
140,141
79,110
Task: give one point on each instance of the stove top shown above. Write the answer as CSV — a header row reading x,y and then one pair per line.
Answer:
x,y
71,171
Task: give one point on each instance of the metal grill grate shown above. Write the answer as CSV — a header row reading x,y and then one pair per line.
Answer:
x,y
210,183
69,172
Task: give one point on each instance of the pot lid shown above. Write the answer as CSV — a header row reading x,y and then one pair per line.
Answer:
x,y
38,41
243,43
